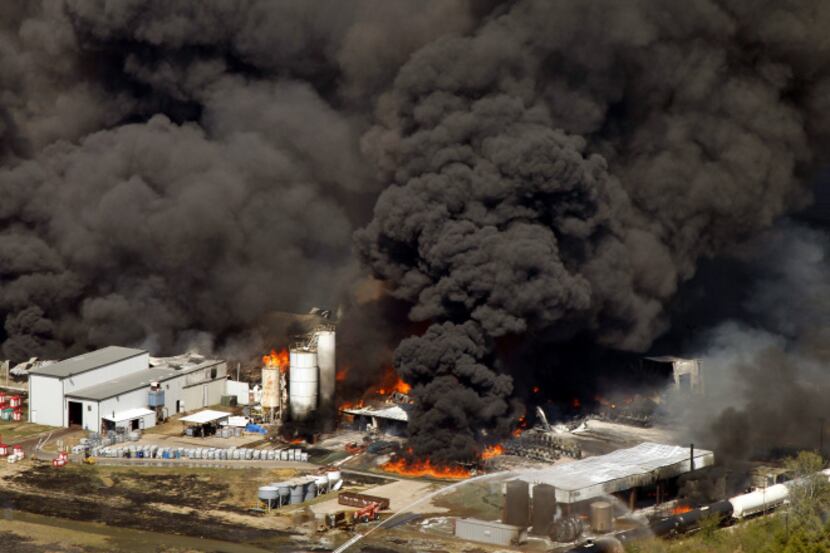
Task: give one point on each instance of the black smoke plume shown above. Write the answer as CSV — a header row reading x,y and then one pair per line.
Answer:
x,y
563,169
525,176
174,171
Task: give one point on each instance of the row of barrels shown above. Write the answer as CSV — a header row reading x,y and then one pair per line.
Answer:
x,y
204,453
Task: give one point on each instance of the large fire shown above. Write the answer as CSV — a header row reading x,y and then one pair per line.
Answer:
x,y
280,359
390,382
360,404
420,469
492,451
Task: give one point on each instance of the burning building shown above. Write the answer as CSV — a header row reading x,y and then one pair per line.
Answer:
x,y
300,381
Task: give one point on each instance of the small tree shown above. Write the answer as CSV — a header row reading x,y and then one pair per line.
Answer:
x,y
811,490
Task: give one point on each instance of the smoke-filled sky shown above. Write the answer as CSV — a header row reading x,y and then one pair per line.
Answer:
x,y
518,175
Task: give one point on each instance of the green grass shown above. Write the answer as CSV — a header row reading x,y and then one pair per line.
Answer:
x,y
16,431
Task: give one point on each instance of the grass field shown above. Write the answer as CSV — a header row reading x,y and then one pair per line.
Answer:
x,y
12,432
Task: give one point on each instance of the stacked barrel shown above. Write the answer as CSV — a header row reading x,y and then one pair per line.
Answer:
x,y
11,407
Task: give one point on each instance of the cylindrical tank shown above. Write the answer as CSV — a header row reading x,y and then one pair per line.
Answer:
x,y
516,504
285,493
270,387
544,509
333,477
759,500
269,495
310,491
297,491
326,362
602,517
322,483
303,383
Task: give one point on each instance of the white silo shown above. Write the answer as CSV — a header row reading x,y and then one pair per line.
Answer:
x,y
270,388
302,383
327,365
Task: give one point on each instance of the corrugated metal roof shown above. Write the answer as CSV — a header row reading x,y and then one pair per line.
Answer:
x,y
618,470
124,384
87,361
395,412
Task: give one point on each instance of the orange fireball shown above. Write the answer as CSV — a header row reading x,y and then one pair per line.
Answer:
x,y
421,469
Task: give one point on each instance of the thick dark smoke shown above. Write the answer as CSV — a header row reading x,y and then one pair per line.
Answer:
x,y
540,172
458,397
565,167
173,171
766,369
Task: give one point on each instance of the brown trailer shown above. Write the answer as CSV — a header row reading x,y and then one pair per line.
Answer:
x,y
359,500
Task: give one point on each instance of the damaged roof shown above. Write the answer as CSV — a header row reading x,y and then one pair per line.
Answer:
x,y
619,470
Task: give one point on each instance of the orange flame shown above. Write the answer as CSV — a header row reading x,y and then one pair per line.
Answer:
x,y
276,359
390,382
402,387
420,469
352,405
575,403
522,425
681,509
340,375
492,451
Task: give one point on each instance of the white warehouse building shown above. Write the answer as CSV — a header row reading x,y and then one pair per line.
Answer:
x,y
111,387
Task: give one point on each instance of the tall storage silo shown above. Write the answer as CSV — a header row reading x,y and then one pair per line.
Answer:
x,y
270,388
327,364
517,504
544,509
302,383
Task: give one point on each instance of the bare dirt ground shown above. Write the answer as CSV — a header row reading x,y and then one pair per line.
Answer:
x,y
205,503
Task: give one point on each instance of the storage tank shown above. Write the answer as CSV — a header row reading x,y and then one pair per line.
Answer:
x,y
303,383
297,491
327,364
602,520
544,509
516,504
322,483
270,387
759,500
269,495
310,491
285,493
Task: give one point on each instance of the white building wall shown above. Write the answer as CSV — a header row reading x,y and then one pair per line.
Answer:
x,y
45,400
241,390
172,392
203,395
107,372
91,417
131,400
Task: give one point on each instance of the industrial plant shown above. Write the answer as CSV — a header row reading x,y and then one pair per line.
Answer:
x,y
334,463
444,276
